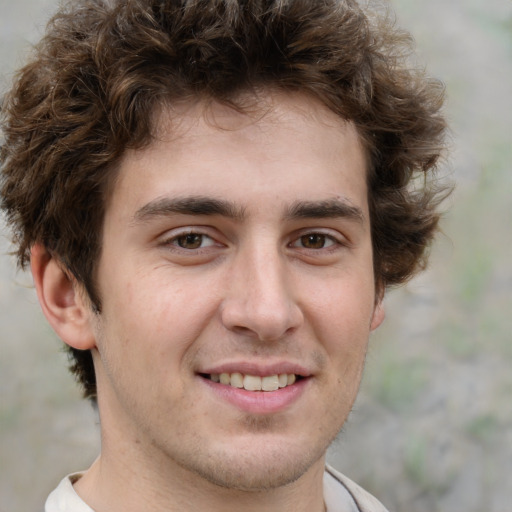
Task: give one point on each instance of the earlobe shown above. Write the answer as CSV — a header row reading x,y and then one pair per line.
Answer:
x,y
60,299
378,316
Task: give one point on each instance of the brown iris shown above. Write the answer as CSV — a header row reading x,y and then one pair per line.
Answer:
x,y
313,241
190,241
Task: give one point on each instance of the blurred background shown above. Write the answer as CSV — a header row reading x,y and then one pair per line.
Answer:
x,y
432,428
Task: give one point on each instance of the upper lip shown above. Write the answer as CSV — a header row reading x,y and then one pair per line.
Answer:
x,y
257,369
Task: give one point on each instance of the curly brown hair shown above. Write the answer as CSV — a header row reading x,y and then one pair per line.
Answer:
x,y
95,79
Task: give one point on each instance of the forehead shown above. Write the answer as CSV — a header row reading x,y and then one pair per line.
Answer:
x,y
258,111
272,140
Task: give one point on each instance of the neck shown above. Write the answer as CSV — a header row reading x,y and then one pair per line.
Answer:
x,y
110,485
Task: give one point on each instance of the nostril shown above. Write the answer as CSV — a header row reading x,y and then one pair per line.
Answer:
x,y
257,318
243,330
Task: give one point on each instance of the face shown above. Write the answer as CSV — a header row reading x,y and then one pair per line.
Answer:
x,y
237,293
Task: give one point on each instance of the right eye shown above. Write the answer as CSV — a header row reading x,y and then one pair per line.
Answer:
x,y
190,241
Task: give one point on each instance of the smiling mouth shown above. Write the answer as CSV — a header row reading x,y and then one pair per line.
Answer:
x,y
253,382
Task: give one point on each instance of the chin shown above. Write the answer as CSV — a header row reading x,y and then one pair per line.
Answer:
x,y
254,479
258,468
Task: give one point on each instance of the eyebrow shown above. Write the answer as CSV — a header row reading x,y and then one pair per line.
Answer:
x,y
191,205
201,205
330,208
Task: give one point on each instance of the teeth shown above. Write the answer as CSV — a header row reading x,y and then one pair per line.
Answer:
x,y
254,382
270,383
237,380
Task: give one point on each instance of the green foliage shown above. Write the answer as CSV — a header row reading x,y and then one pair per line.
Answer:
x,y
415,461
483,428
395,383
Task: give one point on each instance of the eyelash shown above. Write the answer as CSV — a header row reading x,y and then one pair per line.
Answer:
x,y
173,241
329,242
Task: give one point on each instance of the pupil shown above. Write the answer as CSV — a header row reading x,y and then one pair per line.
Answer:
x,y
191,241
313,241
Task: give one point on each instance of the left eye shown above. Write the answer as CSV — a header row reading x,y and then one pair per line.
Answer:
x,y
314,241
192,241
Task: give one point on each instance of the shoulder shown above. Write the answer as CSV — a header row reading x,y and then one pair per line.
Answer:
x,y
65,499
339,490
337,484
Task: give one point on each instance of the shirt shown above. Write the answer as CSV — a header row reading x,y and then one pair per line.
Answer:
x,y
340,495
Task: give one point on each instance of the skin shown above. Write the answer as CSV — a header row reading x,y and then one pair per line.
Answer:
x,y
271,272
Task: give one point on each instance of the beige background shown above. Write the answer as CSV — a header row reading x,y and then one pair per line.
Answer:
x,y
432,429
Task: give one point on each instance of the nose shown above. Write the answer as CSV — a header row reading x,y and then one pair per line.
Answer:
x,y
260,301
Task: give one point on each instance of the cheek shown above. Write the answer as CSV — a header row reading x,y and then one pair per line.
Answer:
x,y
156,317
342,318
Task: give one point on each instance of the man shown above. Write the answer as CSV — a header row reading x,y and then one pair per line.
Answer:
x,y
213,197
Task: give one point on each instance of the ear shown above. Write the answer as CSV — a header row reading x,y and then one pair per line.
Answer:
x,y
379,314
61,300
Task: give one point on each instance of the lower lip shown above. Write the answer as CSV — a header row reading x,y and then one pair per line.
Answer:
x,y
259,402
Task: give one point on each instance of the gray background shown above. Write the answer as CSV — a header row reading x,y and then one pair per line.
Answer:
x,y
432,428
